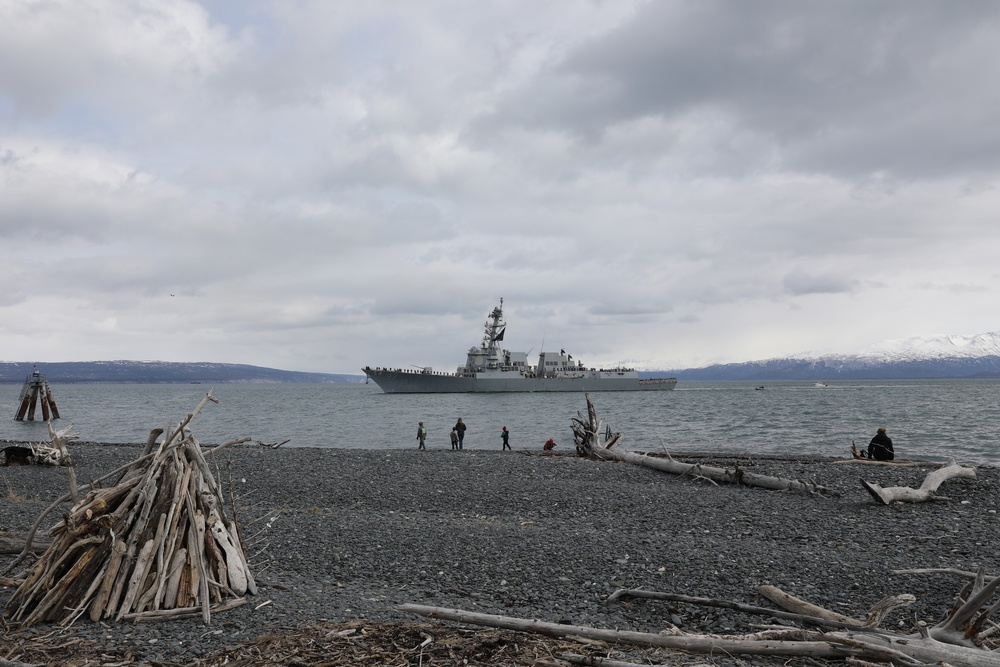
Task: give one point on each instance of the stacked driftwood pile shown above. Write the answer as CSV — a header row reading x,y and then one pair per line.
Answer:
x,y
155,544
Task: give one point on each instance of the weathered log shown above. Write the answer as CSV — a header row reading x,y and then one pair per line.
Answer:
x,y
186,612
693,643
794,604
100,603
814,616
174,577
60,439
13,543
862,645
138,573
586,436
14,663
927,490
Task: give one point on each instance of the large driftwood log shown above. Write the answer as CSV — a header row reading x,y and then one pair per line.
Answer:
x,y
794,604
14,543
807,614
868,645
927,490
949,642
586,435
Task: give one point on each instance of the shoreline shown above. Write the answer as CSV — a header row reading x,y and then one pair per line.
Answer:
x,y
337,535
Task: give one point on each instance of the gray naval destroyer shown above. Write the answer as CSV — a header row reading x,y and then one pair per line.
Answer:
x,y
489,368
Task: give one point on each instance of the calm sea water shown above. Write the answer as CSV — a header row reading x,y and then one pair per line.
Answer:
x,y
930,420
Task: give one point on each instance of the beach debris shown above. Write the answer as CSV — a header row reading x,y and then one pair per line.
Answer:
x,y
12,542
856,457
589,444
53,454
157,544
273,445
955,640
36,391
926,492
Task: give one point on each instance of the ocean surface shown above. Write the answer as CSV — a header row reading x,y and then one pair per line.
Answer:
x,y
927,420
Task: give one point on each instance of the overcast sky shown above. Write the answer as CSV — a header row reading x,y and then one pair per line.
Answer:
x,y
322,185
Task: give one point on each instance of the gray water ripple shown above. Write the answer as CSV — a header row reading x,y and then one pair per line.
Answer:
x,y
927,419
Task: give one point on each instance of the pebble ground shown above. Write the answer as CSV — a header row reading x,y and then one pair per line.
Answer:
x,y
342,534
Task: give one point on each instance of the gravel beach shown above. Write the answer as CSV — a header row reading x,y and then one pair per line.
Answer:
x,y
338,535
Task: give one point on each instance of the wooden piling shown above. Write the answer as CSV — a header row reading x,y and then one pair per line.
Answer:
x,y
36,390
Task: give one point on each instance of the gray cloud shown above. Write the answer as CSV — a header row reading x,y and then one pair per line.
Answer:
x,y
323,186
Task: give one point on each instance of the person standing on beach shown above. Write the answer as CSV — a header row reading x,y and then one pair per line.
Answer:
x,y
460,428
880,448
421,435
505,436
454,438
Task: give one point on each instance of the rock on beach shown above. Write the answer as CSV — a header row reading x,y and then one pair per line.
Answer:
x,y
345,534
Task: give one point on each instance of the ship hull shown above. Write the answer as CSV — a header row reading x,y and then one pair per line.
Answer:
x,y
407,382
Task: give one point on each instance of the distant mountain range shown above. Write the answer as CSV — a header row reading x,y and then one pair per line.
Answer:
x,y
156,372
925,357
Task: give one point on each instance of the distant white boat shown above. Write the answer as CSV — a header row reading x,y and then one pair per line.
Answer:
x,y
820,384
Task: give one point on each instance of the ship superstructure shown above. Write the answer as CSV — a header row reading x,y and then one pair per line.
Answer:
x,y
491,368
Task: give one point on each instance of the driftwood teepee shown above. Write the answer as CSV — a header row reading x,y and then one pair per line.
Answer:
x,y
156,544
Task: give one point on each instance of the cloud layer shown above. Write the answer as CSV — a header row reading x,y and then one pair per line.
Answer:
x,y
320,186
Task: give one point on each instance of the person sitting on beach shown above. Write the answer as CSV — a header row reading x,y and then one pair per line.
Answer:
x,y
549,445
880,448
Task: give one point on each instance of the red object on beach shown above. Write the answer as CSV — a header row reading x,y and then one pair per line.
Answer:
x,y
549,444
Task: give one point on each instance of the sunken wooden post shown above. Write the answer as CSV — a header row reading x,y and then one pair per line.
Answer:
x,y
36,389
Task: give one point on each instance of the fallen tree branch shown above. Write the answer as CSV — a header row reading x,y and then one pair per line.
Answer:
x,y
588,444
865,645
794,604
823,620
927,490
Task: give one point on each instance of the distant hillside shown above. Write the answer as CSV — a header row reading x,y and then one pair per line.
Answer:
x,y
157,372
843,368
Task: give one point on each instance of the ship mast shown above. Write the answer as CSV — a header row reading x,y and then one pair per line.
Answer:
x,y
495,328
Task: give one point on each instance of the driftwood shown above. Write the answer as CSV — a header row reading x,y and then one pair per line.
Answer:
x,y
586,435
141,547
927,490
952,641
856,457
807,615
14,543
54,454
273,445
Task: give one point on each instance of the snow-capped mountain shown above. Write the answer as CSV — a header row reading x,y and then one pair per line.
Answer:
x,y
935,347
918,357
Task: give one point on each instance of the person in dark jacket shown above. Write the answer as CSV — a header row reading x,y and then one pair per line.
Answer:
x,y
460,427
505,436
880,448
421,435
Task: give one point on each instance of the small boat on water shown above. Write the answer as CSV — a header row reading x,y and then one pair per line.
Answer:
x,y
490,368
